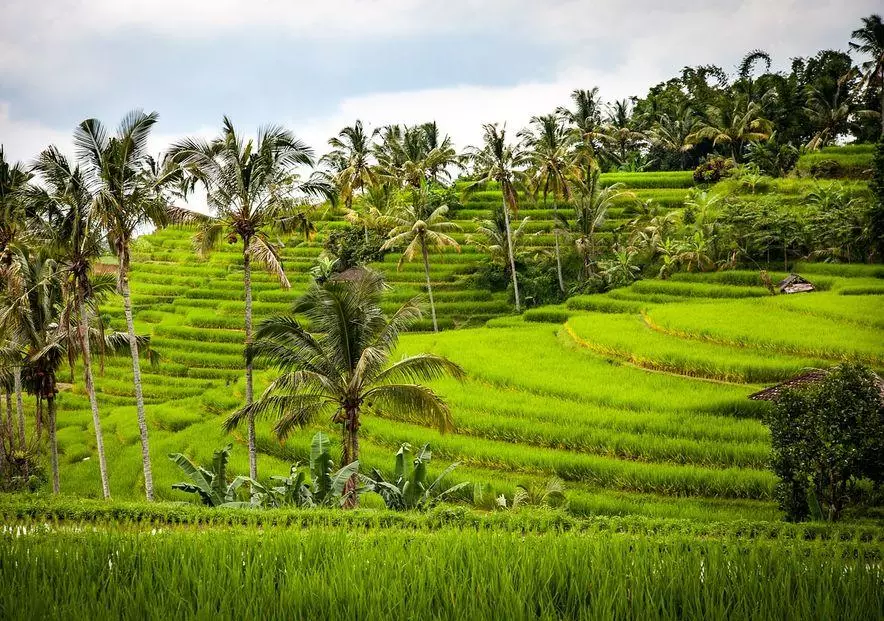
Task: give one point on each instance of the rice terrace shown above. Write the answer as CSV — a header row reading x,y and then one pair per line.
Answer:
x,y
619,359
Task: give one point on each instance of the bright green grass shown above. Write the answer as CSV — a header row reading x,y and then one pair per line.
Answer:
x,y
763,324
628,337
337,573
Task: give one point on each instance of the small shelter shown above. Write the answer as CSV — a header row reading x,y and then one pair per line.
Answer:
x,y
793,283
809,377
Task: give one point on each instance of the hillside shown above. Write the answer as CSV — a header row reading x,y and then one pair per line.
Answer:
x,y
635,398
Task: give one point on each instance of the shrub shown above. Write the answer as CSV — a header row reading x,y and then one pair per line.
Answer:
x,y
713,170
825,439
354,245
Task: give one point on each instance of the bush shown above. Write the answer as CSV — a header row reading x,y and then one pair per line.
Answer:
x,y
826,438
713,170
826,169
354,246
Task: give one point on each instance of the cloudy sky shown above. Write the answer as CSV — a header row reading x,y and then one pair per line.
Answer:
x,y
318,65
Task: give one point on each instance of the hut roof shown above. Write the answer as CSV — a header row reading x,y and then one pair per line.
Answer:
x,y
793,283
807,378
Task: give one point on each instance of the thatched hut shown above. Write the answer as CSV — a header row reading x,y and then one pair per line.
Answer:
x,y
793,283
808,378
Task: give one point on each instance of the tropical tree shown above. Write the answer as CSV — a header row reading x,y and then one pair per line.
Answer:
x,y
420,227
733,126
31,313
491,239
408,155
500,162
869,40
343,368
620,136
828,114
549,146
77,243
14,234
591,206
671,133
585,119
252,190
115,169
352,172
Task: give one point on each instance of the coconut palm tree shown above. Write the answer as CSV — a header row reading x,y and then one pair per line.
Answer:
x,y
420,227
620,136
828,114
14,234
591,206
549,146
869,40
585,119
350,164
490,238
734,126
343,367
252,190
116,171
77,243
500,162
30,313
671,133
407,156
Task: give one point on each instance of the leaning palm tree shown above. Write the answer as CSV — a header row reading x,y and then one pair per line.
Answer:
x,y
549,146
421,227
76,241
116,171
343,368
252,189
500,162
869,40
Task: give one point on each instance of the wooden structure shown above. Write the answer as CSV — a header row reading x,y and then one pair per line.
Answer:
x,y
809,377
793,283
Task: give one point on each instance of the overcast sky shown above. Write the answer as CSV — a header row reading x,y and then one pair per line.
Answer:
x,y
318,65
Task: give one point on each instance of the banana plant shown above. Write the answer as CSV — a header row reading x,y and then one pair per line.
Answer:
x,y
409,488
210,485
326,487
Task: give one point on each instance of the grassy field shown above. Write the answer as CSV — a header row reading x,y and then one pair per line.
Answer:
x,y
636,399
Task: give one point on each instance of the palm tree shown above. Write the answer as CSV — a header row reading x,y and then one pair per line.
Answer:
x,y
14,183
351,169
591,207
407,156
31,313
869,40
115,169
828,114
671,133
343,368
498,161
549,145
586,123
490,238
734,126
420,227
620,136
252,191
76,241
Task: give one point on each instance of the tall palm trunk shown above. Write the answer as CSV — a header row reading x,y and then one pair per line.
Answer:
x,y
247,282
429,286
556,234
136,374
90,390
39,416
509,248
19,406
350,453
53,441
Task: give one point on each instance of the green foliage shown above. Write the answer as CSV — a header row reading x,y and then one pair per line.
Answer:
x,y
713,170
354,246
410,487
210,485
826,438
